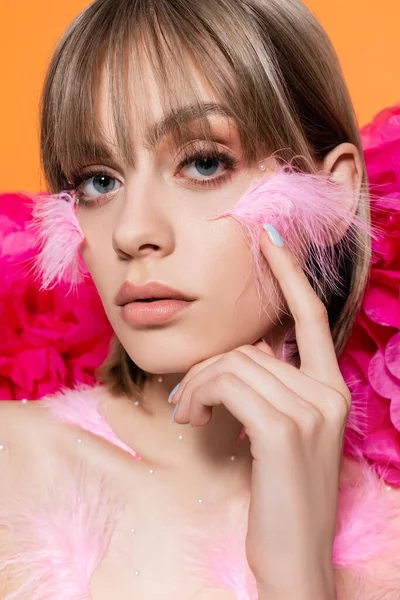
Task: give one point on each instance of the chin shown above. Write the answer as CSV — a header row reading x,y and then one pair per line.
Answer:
x,y
166,367
164,360
174,351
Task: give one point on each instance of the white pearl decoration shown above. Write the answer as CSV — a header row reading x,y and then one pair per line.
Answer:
x,y
24,401
1,447
262,167
79,441
180,437
136,403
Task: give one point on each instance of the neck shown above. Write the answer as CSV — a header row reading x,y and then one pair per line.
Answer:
x,y
145,425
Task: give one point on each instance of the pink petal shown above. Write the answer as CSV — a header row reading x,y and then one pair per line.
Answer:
x,y
382,306
381,379
392,356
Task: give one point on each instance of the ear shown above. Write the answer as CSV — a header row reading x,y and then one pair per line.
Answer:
x,y
343,165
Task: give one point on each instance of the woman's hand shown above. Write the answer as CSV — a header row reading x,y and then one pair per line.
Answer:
x,y
295,420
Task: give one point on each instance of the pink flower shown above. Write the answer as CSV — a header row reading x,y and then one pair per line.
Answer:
x,y
370,362
48,339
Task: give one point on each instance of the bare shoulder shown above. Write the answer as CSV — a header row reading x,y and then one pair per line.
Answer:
x,y
27,458
28,440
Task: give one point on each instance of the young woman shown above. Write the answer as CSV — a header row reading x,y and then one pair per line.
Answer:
x,y
159,121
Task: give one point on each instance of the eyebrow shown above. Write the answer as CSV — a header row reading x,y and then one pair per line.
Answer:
x,y
156,132
181,116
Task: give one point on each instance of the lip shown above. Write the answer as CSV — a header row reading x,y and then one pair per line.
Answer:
x,y
171,303
153,313
130,292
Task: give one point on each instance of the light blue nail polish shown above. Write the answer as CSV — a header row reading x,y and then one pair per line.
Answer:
x,y
173,413
173,392
273,234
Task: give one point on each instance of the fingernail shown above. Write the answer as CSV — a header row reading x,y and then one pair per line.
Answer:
x,y
173,392
173,413
273,234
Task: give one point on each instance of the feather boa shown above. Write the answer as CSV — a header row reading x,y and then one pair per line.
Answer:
x,y
59,540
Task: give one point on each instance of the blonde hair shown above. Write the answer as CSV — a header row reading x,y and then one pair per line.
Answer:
x,y
269,61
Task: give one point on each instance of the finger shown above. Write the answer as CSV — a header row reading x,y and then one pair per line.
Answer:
x,y
313,335
201,365
245,404
266,348
264,383
177,391
309,389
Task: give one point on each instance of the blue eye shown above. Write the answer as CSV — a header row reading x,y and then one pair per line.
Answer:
x,y
204,165
104,182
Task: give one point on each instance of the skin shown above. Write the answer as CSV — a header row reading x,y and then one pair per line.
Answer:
x,y
154,227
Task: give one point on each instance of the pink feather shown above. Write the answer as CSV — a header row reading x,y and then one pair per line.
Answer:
x,y
82,409
58,538
309,211
216,550
366,542
59,237
368,526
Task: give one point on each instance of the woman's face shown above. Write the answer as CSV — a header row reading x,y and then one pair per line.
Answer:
x,y
152,226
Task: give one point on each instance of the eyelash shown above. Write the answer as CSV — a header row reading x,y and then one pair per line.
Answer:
x,y
230,163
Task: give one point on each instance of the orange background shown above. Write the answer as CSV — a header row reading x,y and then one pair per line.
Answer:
x,y
365,35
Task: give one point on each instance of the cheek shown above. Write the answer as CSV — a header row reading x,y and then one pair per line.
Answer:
x,y
237,299
99,257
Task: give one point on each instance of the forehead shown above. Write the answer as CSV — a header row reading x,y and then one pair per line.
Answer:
x,y
149,119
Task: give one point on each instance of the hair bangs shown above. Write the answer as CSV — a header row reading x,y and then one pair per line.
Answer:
x,y
137,45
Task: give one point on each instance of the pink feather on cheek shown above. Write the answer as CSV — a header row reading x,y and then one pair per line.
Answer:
x,y
59,238
311,213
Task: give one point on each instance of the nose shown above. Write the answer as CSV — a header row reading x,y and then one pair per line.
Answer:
x,y
143,226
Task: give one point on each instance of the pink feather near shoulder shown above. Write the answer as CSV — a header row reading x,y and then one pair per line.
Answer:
x,y
367,542
80,407
57,538
368,527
